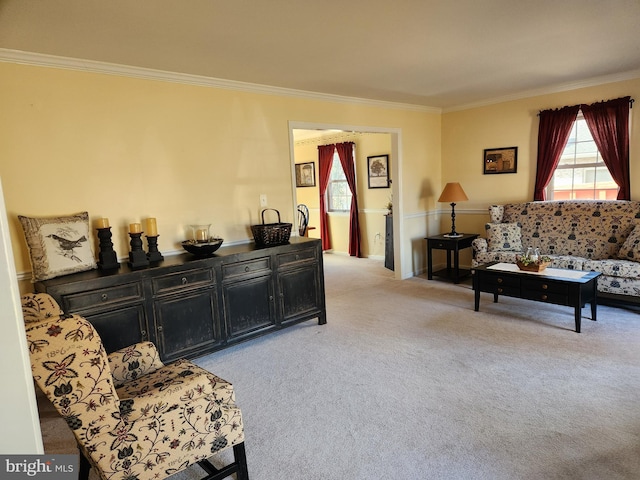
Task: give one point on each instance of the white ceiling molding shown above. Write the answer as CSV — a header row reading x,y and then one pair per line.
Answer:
x,y
53,61
592,82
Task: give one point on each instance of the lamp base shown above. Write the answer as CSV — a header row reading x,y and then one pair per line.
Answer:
x,y
453,235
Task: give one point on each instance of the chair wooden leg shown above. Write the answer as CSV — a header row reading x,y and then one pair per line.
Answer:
x,y
85,466
239,466
241,459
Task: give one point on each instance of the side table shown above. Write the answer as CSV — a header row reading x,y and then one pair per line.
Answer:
x,y
452,245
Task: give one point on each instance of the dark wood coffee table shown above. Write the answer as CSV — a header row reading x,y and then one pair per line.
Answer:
x,y
559,286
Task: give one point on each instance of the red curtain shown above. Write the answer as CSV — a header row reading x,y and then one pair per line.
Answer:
x,y
325,160
345,152
608,123
553,133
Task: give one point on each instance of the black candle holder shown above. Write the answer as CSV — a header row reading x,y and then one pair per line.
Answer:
x,y
137,256
107,258
154,256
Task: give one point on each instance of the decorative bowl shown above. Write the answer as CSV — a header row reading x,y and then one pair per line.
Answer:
x,y
202,249
533,266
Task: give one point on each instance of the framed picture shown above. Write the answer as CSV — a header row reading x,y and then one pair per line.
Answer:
x,y
305,174
500,160
378,168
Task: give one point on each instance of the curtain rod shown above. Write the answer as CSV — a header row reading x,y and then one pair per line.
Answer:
x,y
631,100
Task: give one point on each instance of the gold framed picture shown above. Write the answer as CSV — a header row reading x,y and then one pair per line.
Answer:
x,y
500,160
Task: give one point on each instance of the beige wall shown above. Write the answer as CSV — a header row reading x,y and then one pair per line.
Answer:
x,y
466,133
129,148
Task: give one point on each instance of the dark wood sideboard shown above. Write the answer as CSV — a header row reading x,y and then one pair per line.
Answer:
x,y
189,306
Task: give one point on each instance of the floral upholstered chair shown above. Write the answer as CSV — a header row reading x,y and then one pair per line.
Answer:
x,y
132,416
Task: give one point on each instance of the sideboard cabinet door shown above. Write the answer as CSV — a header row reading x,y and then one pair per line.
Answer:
x,y
300,288
121,327
248,300
186,313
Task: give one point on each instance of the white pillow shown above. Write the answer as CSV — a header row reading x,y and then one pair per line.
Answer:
x,y
504,237
58,245
630,249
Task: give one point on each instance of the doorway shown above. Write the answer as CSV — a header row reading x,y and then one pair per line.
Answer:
x,y
395,152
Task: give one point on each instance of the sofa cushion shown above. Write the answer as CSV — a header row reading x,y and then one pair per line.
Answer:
x,y
504,237
567,261
630,249
614,267
500,257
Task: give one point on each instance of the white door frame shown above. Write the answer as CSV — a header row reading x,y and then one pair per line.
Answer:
x,y
396,176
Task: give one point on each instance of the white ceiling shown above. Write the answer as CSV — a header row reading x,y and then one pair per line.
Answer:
x,y
435,53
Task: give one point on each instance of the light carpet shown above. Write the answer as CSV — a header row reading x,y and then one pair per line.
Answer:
x,y
406,381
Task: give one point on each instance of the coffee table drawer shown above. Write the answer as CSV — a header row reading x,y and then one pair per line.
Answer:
x,y
507,290
556,298
503,281
543,286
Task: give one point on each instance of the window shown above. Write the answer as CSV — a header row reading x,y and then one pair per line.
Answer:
x,y
581,173
338,191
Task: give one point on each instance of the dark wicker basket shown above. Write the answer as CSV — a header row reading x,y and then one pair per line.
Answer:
x,y
269,234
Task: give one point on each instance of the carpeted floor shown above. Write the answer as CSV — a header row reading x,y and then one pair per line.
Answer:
x,y
406,381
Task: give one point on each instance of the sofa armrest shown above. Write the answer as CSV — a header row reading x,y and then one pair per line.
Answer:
x,y
133,362
479,245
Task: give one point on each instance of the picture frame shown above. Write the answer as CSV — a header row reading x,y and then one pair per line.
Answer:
x,y
306,174
500,160
378,171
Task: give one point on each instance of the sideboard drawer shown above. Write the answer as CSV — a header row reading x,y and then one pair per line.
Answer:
x,y
294,258
103,297
239,269
186,279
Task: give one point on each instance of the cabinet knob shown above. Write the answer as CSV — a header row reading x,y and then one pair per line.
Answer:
x,y
271,297
104,297
184,280
143,334
543,297
499,290
297,257
160,328
499,280
246,269
545,286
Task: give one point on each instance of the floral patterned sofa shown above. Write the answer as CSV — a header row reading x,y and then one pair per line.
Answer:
x,y
133,417
602,236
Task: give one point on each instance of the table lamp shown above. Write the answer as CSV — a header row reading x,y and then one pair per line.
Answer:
x,y
453,193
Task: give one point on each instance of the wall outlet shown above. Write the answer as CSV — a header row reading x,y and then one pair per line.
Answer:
x,y
263,200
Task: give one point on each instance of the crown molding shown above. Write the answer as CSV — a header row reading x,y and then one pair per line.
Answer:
x,y
591,82
53,61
